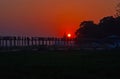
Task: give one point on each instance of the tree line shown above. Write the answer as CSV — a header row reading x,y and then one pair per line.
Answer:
x,y
107,26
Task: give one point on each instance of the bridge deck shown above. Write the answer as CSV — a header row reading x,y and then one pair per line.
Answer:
x,y
9,42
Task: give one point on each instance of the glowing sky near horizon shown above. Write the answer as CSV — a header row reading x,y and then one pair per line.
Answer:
x,y
50,17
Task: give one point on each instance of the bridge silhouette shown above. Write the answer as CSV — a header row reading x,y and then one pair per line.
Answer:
x,y
53,43
15,42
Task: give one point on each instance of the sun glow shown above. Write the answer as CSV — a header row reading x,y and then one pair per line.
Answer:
x,y
69,35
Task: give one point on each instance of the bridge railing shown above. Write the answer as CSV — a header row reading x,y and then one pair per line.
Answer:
x,y
13,41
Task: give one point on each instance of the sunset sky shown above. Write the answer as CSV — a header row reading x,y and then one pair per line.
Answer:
x,y
50,17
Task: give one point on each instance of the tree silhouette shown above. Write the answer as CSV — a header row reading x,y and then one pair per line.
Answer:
x,y
117,24
117,10
107,26
87,29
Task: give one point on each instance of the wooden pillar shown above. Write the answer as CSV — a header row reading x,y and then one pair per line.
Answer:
x,y
45,41
39,41
42,41
68,42
55,39
32,41
61,41
71,41
25,41
10,41
22,41
58,41
64,41
50,41
14,41
6,41
0,41
18,41
2,44
35,41
28,41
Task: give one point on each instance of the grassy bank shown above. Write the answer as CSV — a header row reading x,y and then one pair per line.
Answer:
x,y
60,64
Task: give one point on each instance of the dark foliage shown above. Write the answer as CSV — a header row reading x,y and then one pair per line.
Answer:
x,y
87,29
106,27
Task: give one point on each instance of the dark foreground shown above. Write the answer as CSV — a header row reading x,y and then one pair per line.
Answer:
x,y
60,65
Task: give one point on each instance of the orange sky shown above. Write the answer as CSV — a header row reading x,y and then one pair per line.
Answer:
x,y
50,17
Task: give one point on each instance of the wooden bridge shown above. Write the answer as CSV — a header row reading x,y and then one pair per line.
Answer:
x,y
8,42
44,43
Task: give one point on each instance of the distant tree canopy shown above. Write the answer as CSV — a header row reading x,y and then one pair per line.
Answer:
x,y
106,27
87,29
117,10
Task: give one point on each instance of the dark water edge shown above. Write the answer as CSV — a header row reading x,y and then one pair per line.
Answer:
x,y
60,64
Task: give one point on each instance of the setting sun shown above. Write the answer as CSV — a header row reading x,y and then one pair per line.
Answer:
x,y
69,35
